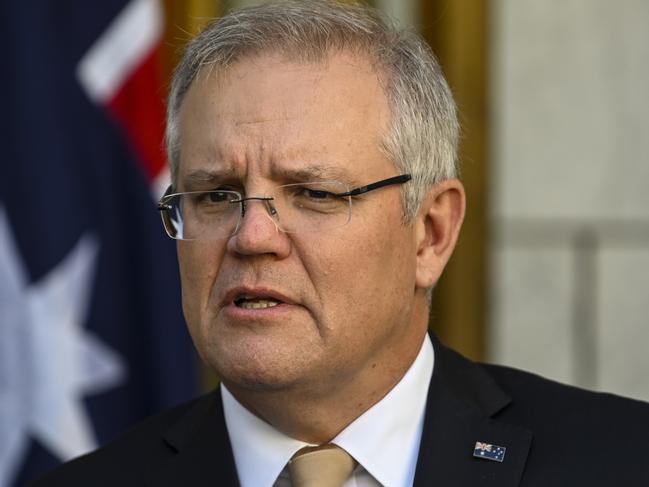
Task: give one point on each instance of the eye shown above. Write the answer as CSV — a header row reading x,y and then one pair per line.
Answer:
x,y
316,194
214,198
319,198
218,196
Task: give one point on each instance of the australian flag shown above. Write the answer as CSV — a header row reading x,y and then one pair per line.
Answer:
x,y
91,332
489,451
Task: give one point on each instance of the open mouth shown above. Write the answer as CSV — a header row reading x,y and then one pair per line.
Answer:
x,y
255,302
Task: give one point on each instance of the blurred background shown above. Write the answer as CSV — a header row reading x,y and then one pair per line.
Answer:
x,y
551,273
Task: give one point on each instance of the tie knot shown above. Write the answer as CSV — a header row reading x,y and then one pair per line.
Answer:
x,y
320,466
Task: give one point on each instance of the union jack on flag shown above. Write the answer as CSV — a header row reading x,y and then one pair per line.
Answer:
x,y
483,446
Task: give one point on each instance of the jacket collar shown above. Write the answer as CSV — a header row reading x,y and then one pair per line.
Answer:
x,y
203,456
462,401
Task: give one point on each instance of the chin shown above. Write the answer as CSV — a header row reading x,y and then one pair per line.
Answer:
x,y
258,371
256,380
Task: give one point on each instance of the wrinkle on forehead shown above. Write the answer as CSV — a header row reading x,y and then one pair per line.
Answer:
x,y
240,123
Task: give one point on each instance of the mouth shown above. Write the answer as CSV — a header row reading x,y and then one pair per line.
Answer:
x,y
248,301
256,298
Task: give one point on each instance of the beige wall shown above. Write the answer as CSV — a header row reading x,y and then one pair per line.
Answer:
x,y
570,190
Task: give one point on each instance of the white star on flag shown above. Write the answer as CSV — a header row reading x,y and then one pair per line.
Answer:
x,y
48,361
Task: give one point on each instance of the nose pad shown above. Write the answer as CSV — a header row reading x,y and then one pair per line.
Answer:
x,y
271,211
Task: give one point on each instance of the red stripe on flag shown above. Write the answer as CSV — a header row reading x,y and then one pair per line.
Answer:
x,y
139,109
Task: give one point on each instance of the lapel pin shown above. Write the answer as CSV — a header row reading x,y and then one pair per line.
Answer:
x,y
489,451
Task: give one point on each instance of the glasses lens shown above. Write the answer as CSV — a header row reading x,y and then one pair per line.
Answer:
x,y
201,215
311,207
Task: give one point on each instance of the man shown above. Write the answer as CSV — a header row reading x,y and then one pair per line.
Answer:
x,y
315,201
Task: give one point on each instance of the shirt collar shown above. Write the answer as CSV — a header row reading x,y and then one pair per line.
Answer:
x,y
384,439
260,451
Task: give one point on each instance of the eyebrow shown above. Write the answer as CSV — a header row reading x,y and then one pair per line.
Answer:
x,y
313,173
202,176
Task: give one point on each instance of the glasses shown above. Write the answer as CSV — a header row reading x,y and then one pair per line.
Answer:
x,y
311,207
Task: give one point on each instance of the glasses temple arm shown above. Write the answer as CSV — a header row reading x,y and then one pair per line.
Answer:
x,y
403,178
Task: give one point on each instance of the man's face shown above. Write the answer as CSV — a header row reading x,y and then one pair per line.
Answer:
x,y
346,296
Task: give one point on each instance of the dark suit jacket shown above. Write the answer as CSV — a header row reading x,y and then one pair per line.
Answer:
x,y
555,436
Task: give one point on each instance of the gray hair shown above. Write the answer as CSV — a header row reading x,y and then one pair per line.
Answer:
x,y
423,134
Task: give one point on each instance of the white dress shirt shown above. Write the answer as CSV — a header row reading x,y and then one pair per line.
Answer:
x,y
384,439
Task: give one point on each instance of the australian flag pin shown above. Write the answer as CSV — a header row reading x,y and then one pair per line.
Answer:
x,y
489,451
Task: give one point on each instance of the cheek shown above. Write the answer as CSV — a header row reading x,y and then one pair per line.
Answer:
x,y
360,277
199,264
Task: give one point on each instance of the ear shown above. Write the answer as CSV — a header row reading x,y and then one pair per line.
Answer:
x,y
437,228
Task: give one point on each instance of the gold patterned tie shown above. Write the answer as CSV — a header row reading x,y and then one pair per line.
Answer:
x,y
320,466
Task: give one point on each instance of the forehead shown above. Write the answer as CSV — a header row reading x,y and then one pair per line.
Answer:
x,y
267,115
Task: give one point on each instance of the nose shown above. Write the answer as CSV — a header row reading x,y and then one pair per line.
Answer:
x,y
258,232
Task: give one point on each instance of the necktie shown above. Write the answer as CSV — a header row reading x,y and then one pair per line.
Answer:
x,y
320,466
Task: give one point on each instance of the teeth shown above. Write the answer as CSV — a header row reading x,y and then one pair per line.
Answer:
x,y
257,304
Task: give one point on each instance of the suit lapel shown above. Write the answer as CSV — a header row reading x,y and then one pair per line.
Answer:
x,y
462,400
203,456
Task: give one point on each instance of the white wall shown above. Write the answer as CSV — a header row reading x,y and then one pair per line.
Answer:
x,y
570,191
